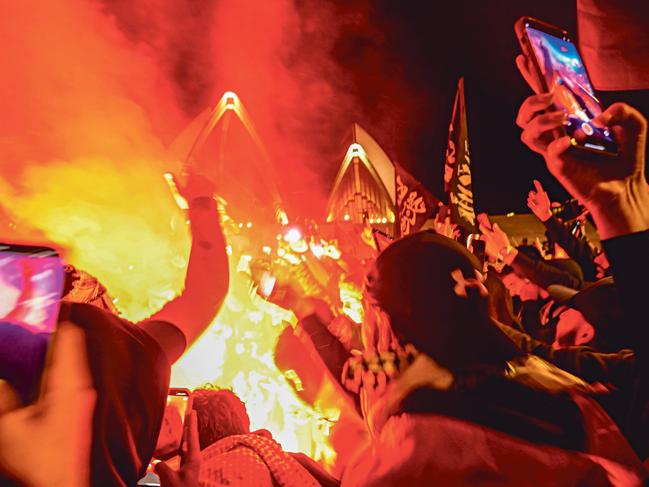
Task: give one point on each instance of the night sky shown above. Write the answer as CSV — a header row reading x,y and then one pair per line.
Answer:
x,y
404,59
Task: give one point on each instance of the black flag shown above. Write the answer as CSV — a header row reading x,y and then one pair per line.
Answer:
x,y
415,204
457,167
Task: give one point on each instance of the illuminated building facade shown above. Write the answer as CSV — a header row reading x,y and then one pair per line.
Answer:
x,y
364,189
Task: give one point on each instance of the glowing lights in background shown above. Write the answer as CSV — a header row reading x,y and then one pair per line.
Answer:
x,y
237,351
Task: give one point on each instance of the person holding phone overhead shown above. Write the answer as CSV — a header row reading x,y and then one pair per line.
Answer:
x,y
130,363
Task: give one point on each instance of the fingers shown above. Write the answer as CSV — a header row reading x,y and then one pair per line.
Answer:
x,y
524,66
537,135
166,474
531,106
191,444
537,185
555,153
483,220
623,115
68,371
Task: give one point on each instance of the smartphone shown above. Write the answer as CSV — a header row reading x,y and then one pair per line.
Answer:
x,y
558,67
476,246
179,402
170,438
31,284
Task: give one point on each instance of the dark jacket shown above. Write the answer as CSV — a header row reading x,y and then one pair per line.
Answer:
x,y
544,273
624,370
577,248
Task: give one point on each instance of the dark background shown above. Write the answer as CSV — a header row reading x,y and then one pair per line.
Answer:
x,y
404,59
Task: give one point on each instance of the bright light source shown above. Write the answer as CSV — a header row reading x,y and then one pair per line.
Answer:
x,y
266,249
230,99
249,225
292,235
356,149
317,250
346,217
384,220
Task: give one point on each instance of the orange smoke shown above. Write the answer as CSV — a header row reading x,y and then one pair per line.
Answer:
x,y
93,95
82,154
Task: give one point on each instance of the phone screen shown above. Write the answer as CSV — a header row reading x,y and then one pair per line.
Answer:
x,y
179,401
31,283
171,431
565,74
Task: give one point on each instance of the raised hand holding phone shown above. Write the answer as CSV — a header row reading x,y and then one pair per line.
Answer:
x,y
48,443
554,66
614,189
187,474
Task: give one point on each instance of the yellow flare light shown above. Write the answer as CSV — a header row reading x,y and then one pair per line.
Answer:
x,y
293,235
178,198
237,352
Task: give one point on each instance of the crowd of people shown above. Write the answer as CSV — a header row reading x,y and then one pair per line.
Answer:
x,y
525,368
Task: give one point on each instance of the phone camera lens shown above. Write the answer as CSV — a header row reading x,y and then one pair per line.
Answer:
x,y
587,129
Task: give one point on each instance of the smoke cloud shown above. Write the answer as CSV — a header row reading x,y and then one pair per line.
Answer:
x,y
94,93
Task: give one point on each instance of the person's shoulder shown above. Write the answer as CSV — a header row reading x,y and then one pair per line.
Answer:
x,y
231,464
112,334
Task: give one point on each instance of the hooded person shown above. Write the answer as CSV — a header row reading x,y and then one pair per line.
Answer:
x,y
465,406
593,312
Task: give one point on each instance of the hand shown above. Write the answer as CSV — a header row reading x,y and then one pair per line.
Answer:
x,y
48,443
539,202
445,227
613,188
194,186
496,241
190,467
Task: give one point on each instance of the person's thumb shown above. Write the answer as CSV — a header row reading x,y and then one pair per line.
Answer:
x,y
621,114
166,474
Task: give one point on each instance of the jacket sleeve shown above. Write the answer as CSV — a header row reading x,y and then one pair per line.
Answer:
x,y
612,368
543,274
577,248
629,258
331,350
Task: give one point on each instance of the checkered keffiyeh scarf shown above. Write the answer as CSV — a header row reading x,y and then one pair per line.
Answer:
x,y
236,460
86,288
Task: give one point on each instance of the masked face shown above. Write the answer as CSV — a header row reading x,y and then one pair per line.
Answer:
x,y
572,329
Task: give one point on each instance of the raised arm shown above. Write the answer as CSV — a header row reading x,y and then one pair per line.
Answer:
x,y
498,246
577,248
614,189
207,279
